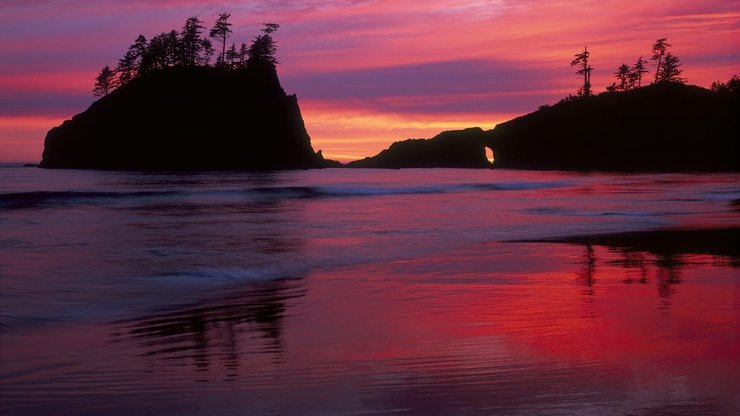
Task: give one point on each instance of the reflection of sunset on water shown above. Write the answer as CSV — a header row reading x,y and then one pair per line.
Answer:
x,y
436,291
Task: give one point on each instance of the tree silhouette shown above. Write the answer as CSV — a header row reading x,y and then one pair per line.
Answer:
x,y
126,68
130,65
187,47
155,55
670,71
581,61
243,56
173,47
623,76
637,70
221,30
163,52
660,47
105,82
270,28
193,45
732,86
206,52
263,47
231,58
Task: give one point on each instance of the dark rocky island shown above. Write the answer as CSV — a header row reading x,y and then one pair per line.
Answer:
x,y
450,149
188,118
666,126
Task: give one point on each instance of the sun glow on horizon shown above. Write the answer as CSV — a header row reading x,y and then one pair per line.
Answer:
x,y
347,134
22,137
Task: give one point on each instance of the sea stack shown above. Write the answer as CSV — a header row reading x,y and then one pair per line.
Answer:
x,y
188,118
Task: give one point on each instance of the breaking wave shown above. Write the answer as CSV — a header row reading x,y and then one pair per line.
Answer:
x,y
44,199
48,199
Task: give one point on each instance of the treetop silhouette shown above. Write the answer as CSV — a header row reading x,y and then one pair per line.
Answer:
x,y
264,46
630,77
105,82
637,71
732,86
187,48
581,61
221,30
670,71
660,47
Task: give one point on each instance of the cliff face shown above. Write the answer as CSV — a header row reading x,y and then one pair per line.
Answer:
x,y
663,127
450,149
188,119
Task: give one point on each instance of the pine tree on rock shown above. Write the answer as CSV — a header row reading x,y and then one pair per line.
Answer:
x,y
243,56
231,59
671,72
581,61
263,47
221,30
660,47
188,48
623,76
192,44
732,86
130,66
207,51
105,82
637,71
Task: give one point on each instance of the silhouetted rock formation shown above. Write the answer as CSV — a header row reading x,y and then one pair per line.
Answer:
x,y
450,149
662,127
197,118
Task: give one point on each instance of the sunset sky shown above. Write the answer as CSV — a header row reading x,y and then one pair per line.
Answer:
x,y
366,72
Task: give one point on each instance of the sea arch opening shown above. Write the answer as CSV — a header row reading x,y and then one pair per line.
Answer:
x,y
489,154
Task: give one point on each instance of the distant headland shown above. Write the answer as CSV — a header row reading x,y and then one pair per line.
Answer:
x,y
165,107
450,149
661,127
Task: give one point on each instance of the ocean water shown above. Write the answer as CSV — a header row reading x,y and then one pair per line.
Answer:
x,y
353,292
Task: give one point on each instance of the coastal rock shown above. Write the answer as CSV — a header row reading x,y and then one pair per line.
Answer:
x,y
450,149
197,118
661,127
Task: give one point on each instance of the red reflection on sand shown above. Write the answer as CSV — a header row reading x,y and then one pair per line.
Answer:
x,y
478,318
